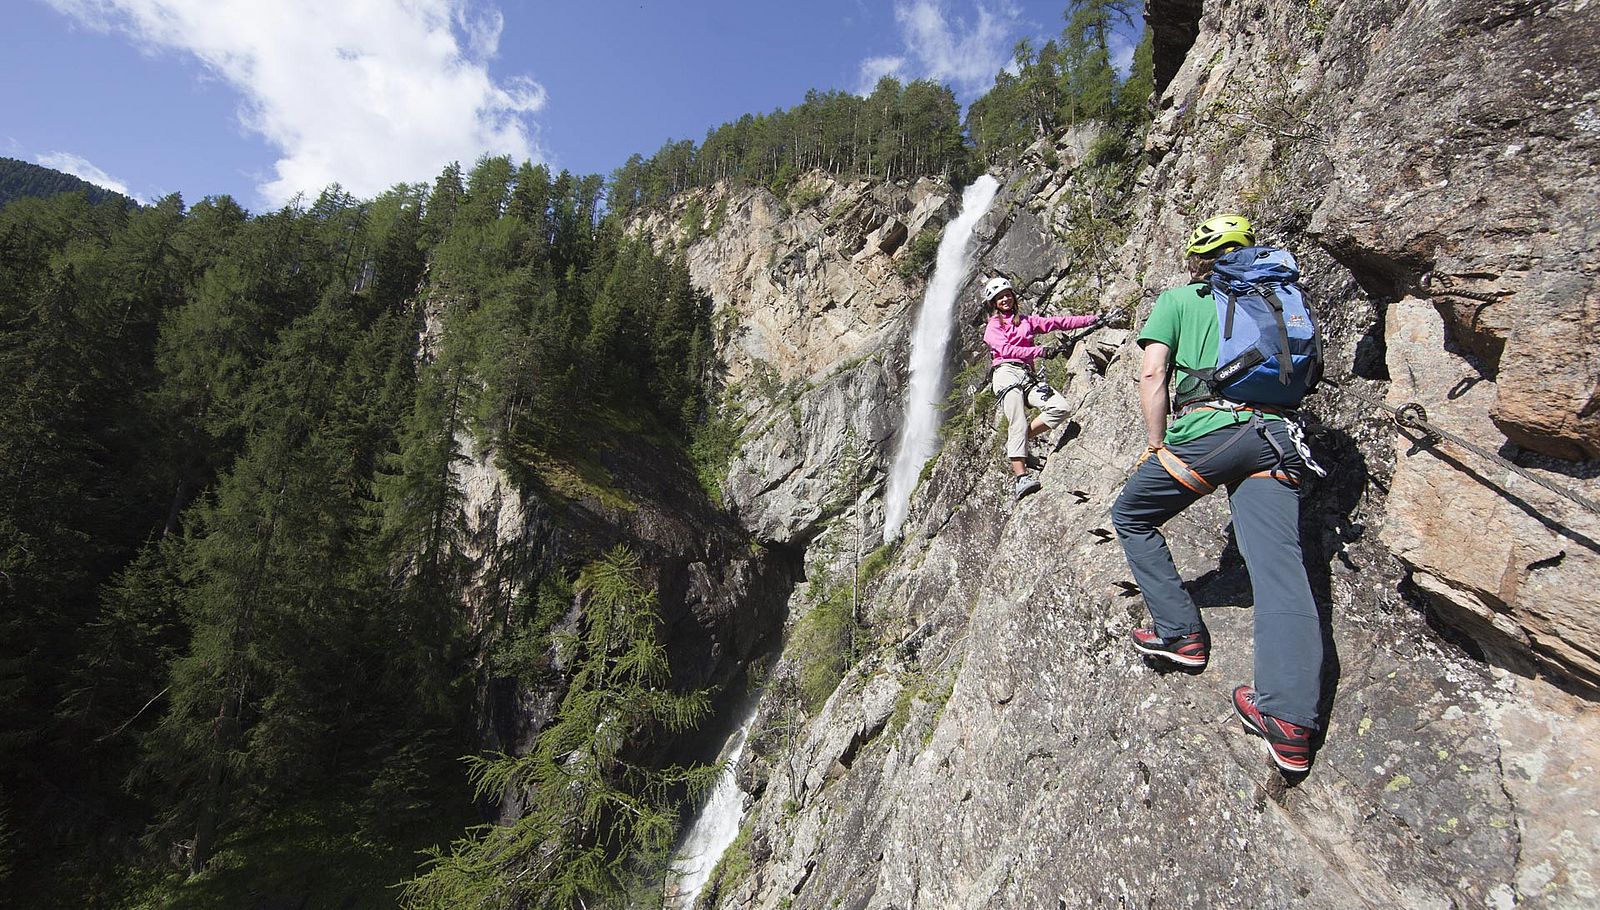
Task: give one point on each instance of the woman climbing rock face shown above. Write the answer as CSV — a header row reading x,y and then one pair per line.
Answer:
x,y
1016,383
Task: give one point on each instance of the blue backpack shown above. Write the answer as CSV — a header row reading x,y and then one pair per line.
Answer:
x,y
1270,351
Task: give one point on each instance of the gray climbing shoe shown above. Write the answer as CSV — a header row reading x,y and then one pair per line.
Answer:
x,y
1024,485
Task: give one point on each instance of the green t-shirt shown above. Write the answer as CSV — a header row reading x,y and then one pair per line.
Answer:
x,y
1185,320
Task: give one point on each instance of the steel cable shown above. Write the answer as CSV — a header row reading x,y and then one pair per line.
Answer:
x,y
1412,416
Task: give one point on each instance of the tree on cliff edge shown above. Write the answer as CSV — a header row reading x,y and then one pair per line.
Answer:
x,y
595,823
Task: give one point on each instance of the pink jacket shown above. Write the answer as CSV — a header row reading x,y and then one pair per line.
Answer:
x,y
1011,339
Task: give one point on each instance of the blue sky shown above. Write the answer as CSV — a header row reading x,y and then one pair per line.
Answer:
x,y
263,99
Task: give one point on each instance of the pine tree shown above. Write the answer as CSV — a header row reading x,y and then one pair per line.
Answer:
x,y
279,580
595,821
396,257
1133,96
443,203
677,348
205,235
1090,80
48,550
424,525
530,204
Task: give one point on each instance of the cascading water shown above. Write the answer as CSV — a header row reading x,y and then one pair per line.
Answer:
x,y
716,825
930,341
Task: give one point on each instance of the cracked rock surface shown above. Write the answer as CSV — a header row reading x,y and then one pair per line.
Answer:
x,y
996,743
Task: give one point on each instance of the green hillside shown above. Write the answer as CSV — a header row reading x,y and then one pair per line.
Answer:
x,y
19,179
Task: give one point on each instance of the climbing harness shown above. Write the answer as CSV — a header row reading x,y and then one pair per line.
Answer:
x,y
1182,473
1190,476
1293,422
1027,383
1412,416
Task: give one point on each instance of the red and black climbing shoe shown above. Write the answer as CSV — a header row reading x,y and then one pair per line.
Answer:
x,y
1288,744
1190,650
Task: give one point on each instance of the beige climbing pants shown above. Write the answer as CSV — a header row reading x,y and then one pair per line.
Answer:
x,y
1015,403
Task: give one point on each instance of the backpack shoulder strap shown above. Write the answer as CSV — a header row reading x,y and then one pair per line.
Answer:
x,y
1220,290
1270,294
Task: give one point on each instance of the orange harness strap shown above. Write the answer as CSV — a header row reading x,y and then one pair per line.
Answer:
x,y
1182,473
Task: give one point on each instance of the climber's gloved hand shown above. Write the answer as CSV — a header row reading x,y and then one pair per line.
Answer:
x,y
1055,350
1148,451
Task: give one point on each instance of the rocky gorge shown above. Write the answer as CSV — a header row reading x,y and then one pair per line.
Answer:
x,y
994,741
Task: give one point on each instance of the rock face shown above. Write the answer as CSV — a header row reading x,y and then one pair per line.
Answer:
x,y
1477,184
721,600
817,313
1513,564
996,743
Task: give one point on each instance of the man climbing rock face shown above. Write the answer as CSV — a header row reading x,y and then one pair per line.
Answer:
x,y
1016,384
1225,437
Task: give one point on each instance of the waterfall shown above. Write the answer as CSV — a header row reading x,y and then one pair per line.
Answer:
x,y
714,827
930,341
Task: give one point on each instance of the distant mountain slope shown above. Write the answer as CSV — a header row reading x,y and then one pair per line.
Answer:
x,y
19,179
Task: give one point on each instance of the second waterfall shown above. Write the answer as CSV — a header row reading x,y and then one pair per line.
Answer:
x,y
930,345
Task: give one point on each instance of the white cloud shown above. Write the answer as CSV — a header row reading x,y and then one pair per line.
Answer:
x,y
963,52
875,68
365,93
82,168
482,31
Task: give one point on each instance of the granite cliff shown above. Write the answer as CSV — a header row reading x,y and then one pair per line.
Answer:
x,y
994,742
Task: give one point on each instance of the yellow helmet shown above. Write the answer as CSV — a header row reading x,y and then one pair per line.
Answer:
x,y
1221,231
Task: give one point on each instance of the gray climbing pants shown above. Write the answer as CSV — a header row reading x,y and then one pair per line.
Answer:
x,y
1251,460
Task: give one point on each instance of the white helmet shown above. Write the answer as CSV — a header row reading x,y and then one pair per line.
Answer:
x,y
994,288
